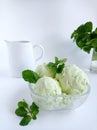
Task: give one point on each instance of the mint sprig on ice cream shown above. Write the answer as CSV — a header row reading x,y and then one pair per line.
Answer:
x,y
69,78
50,69
57,66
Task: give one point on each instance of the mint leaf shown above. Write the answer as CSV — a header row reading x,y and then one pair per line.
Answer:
x,y
60,68
34,110
25,121
22,104
80,44
30,76
52,67
57,61
21,112
62,61
87,49
34,107
34,115
88,26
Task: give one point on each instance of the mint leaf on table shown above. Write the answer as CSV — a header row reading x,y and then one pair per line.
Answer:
x,y
34,107
25,121
34,110
22,104
85,38
30,76
27,112
57,66
21,111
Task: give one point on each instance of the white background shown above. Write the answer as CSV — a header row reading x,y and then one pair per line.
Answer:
x,y
43,21
49,22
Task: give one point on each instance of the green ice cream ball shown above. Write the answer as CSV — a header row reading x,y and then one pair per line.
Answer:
x,y
43,70
73,80
47,86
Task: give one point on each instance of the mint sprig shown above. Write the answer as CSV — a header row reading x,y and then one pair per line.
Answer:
x,y
57,66
85,38
26,112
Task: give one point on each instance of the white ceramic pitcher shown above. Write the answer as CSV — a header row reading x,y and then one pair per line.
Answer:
x,y
21,56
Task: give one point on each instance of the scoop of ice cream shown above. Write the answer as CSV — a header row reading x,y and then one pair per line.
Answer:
x,y
47,86
72,80
43,70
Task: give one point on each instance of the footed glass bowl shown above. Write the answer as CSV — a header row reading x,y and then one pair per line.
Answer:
x,y
59,102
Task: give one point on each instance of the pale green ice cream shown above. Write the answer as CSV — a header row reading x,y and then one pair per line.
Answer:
x,y
72,80
47,86
43,70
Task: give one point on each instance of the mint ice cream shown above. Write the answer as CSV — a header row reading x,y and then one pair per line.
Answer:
x,y
43,70
72,80
47,86
57,86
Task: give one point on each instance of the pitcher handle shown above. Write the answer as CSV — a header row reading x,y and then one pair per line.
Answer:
x,y
42,51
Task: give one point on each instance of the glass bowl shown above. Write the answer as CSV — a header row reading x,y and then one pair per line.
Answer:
x,y
59,102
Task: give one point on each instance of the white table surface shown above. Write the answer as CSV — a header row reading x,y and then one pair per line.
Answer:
x,y
13,90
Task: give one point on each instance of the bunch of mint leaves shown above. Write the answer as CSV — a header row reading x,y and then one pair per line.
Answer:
x,y
26,112
85,37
